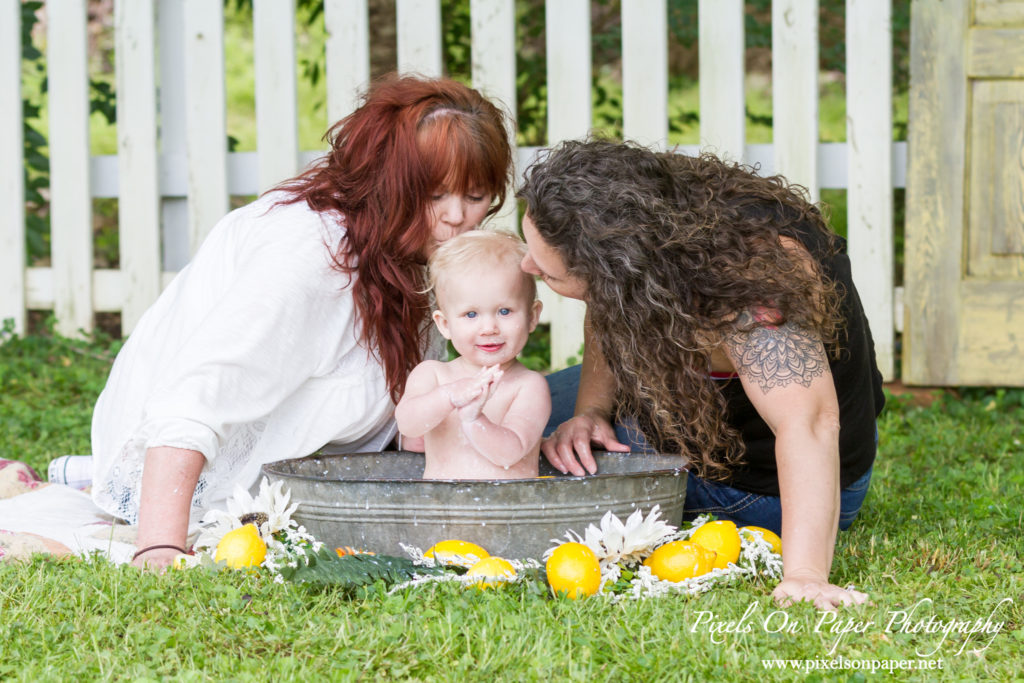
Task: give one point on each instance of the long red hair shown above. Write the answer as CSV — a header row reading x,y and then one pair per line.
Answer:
x,y
410,138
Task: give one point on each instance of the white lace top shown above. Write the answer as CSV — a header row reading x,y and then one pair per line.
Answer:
x,y
251,355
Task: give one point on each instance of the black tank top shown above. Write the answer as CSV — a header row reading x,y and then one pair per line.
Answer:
x,y
855,373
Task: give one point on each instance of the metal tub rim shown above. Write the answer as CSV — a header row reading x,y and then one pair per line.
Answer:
x,y
285,468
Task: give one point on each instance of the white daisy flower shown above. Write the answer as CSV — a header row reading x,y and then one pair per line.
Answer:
x,y
215,524
269,511
614,542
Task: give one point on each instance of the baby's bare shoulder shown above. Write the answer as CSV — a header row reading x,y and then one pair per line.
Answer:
x,y
526,381
427,373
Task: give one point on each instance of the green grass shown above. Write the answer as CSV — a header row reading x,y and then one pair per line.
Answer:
x,y
942,522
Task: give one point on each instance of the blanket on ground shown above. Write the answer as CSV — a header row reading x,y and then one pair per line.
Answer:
x,y
40,517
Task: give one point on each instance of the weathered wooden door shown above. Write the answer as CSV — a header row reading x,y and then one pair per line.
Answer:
x,y
964,256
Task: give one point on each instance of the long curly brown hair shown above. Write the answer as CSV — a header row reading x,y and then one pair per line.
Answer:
x,y
411,137
672,250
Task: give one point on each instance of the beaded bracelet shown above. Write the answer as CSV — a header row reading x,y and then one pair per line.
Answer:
x,y
156,547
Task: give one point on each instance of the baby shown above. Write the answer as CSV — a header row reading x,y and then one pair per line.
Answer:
x,y
482,414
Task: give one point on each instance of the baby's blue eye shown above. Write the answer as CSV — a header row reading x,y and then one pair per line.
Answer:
x,y
504,311
471,314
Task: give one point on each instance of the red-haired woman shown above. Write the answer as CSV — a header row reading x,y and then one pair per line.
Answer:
x,y
300,317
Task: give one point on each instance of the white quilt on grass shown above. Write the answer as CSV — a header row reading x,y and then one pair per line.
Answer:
x,y
52,518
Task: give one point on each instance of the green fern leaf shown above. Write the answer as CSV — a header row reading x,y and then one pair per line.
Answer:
x,y
325,568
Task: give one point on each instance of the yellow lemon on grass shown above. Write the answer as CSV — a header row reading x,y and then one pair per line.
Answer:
x,y
721,537
448,552
495,568
241,548
680,560
773,539
573,569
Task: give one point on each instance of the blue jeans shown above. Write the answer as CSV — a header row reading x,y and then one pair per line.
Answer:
x,y
703,496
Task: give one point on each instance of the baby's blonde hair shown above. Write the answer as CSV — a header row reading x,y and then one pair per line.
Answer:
x,y
476,246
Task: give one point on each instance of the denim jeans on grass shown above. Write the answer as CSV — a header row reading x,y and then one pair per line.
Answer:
x,y
703,496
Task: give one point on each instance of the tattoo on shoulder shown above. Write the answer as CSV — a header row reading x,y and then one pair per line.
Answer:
x,y
777,356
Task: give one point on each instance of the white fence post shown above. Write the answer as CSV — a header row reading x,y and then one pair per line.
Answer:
x,y
348,55
195,172
567,37
139,206
12,184
494,74
795,91
645,72
723,118
277,137
173,132
419,37
205,116
71,199
869,182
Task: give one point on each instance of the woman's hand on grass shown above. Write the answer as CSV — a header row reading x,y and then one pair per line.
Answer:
x,y
823,594
568,449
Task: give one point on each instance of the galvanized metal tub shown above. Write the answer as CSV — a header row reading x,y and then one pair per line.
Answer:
x,y
377,501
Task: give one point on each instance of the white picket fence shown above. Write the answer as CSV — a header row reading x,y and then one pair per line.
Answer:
x,y
173,180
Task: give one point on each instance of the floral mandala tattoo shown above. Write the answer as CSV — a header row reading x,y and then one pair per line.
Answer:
x,y
778,356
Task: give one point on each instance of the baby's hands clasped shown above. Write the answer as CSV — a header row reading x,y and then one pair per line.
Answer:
x,y
469,396
464,391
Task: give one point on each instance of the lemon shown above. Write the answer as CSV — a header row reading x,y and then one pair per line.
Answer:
x,y
721,537
495,568
449,552
241,548
180,563
680,560
773,539
573,569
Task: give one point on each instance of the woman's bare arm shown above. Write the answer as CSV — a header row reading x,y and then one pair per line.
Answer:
x,y
169,479
785,373
568,449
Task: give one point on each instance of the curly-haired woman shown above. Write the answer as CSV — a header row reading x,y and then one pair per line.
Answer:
x,y
302,314
723,321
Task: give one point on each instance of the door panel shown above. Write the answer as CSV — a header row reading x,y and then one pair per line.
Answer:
x,y
964,253
996,211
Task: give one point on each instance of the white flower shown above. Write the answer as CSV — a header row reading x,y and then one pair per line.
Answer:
x,y
269,511
629,543
215,524
697,523
755,551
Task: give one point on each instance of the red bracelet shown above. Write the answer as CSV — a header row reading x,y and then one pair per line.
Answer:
x,y
157,547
